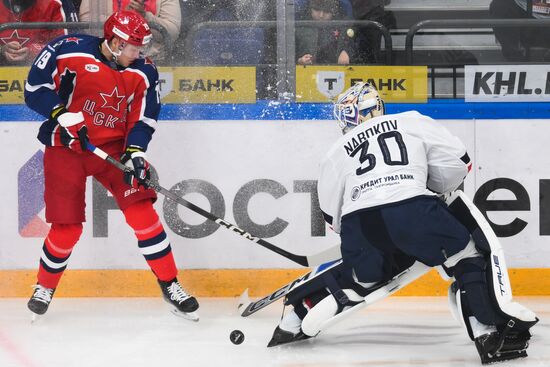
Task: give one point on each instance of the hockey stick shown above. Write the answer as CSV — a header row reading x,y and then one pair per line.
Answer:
x,y
248,307
311,260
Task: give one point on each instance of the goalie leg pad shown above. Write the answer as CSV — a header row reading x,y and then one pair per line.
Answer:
x,y
470,276
328,312
494,272
326,309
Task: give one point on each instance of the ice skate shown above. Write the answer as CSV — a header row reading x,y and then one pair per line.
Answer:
x,y
281,336
40,300
184,305
494,347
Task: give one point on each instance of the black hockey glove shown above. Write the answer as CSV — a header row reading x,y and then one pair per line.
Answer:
x,y
135,158
72,132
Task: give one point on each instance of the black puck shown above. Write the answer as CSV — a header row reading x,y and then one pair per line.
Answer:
x,y
236,337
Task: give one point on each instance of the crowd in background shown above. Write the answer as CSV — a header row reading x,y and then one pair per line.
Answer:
x,y
174,19
177,40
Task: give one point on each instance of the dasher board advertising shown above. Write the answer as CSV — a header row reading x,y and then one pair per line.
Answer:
x,y
208,84
262,177
407,84
177,84
507,83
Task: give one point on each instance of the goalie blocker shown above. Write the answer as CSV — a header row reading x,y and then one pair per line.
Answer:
x,y
481,295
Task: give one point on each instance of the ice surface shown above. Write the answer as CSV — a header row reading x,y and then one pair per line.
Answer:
x,y
400,331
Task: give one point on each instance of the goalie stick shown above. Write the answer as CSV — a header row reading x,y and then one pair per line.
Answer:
x,y
304,260
248,307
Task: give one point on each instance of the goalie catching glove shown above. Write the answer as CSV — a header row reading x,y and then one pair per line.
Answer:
x,y
135,158
73,132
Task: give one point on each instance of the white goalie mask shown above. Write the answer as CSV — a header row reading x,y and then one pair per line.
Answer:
x,y
356,105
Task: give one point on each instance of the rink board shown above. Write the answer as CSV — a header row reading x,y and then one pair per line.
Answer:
x,y
260,174
230,282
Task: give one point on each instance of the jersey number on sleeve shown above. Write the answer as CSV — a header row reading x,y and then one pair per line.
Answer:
x,y
42,60
402,160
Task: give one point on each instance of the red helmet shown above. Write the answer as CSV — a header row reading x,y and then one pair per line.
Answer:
x,y
128,26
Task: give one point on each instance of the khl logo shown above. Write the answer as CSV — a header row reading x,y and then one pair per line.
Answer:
x,y
30,187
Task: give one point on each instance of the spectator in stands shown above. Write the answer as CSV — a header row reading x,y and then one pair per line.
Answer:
x,y
516,42
367,38
71,10
20,46
323,45
165,13
77,5
194,12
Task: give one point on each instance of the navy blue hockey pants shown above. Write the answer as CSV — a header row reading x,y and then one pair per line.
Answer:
x,y
421,227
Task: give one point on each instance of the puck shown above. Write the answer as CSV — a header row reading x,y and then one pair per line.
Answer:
x,y
236,337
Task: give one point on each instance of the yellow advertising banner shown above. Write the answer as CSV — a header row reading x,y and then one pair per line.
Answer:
x,y
404,84
208,84
178,84
12,84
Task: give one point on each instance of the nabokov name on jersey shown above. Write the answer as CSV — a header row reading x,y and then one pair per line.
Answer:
x,y
382,127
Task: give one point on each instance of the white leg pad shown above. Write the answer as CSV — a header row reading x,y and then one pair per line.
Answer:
x,y
325,310
326,316
496,261
517,310
291,322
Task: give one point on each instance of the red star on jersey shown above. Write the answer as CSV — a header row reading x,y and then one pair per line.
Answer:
x,y
15,37
112,100
73,39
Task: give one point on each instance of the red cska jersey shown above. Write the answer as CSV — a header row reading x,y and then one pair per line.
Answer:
x,y
34,39
117,103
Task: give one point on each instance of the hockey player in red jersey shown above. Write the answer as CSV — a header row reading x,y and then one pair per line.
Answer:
x,y
103,91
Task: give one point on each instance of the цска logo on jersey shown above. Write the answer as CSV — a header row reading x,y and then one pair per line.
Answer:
x,y
506,83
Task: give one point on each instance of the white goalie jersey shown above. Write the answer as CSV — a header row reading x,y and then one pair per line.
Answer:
x,y
388,159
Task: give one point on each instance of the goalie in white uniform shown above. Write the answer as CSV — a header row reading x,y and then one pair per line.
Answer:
x,y
378,189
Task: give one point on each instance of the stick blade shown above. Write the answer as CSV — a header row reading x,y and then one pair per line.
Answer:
x,y
244,302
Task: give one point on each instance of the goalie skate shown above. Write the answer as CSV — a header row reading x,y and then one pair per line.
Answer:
x,y
182,304
494,347
281,337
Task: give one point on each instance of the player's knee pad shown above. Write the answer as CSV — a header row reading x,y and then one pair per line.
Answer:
x,y
63,237
143,219
326,309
